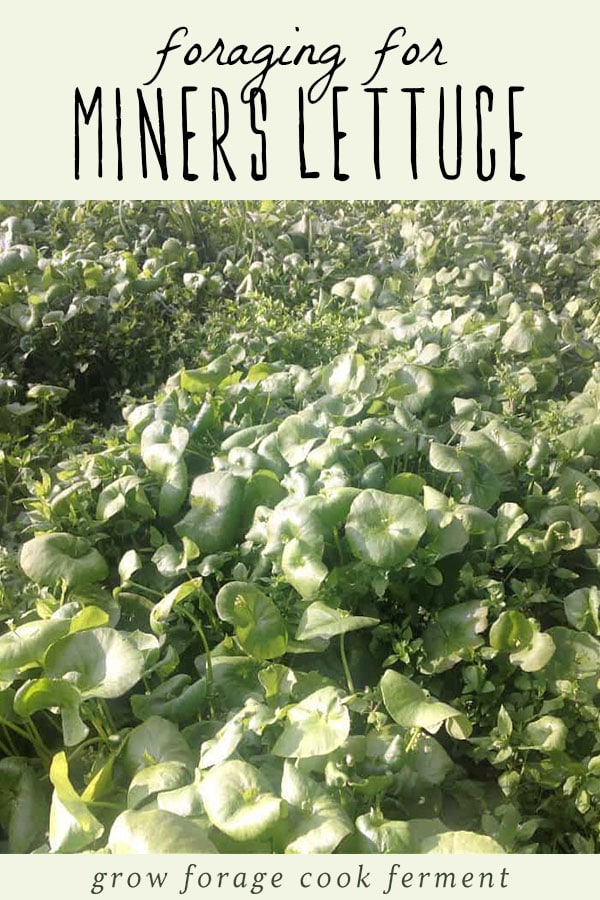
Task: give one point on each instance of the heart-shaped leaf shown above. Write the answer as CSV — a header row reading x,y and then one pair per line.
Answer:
x,y
163,776
303,567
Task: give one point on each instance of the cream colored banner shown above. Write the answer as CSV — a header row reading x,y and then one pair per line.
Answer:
x,y
295,877
436,99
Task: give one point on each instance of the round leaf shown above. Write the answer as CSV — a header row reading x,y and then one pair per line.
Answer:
x,y
383,529
49,558
101,662
213,522
461,842
546,734
157,831
239,801
316,726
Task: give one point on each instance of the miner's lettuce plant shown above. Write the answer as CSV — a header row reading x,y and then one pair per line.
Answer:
x,y
331,599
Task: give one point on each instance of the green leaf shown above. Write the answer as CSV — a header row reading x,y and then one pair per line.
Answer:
x,y
155,740
176,699
213,522
28,643
532,332
239,802
546,734
536,655
529,648
198,381
49,558
23,804
257,622
511,631
101,662
158,831
406,483
345,374
453,636
163,776
398,836
129,564
47,693
125,493
163,609
225,742
510,518
316,822
383,529
460,842
582,609
496,446
296,436
303,567
410,706
320,620
72,827
576,659
316,726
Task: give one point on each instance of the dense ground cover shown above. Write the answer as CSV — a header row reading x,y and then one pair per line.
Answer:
x,y
300,512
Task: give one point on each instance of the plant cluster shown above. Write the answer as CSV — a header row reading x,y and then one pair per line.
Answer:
x,y
330,595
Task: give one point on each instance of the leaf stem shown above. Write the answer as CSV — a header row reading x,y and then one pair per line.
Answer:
x,y
336,539
347,673
209,670
413,740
